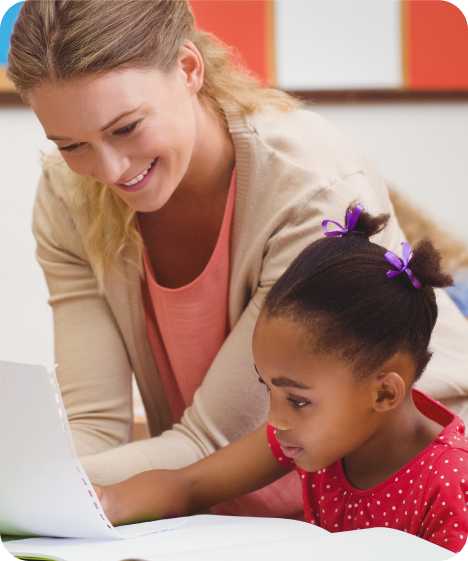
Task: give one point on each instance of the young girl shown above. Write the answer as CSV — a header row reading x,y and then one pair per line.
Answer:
x,y
341,340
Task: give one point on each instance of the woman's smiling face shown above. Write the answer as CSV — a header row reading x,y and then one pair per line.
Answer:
x,y
321,411
132,129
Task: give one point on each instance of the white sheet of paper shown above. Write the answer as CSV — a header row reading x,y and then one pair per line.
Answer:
x,y
199,535
216,538
43,488
4,554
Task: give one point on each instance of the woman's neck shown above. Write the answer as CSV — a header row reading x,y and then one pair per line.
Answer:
x,y
213,156
401,436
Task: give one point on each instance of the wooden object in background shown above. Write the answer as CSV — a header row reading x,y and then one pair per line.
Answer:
x,y
140,429
5,84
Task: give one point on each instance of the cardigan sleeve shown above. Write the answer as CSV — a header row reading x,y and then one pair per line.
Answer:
x,y
93,370
228,404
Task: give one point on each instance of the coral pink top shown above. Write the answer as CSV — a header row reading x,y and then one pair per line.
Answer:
x,y
192,320
426,497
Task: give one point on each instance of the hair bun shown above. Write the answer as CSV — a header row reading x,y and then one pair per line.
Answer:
x,y
367,224
425,264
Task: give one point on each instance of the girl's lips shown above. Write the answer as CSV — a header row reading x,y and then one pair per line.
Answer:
x,y
291,452
138,186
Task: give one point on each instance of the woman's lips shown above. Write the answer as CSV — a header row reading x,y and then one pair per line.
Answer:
x,y
291,452
142,183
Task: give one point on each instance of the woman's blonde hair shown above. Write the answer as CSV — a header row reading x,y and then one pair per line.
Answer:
x,y
56,40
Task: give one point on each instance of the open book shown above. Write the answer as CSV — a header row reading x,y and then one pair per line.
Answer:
x,y
226,538
44,491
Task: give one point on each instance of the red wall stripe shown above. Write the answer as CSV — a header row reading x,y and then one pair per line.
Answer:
x,y
245,25
436,45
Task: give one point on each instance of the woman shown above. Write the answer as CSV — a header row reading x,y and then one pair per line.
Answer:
x,y
182,191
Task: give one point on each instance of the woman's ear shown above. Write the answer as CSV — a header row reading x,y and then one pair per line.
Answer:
x,y
388,392
192,65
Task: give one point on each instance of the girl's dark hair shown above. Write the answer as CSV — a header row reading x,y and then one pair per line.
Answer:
x,y
338,290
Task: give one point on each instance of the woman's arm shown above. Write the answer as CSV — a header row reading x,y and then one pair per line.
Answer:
x,y
242,467
93,370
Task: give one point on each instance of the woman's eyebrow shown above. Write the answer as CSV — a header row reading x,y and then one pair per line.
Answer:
x,y
124,114
114,120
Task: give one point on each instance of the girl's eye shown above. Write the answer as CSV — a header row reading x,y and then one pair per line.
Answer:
x,y
128,129
298,403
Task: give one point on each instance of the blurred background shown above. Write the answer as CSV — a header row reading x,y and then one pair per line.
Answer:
x,y
393,75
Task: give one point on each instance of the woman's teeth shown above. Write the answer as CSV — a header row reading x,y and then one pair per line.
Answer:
x,y
138,178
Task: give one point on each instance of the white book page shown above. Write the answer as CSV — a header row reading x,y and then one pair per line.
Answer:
x,y
44,490
194,539
216,538
4,554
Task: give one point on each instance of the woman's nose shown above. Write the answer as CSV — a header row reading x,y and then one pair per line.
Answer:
x,y
109,166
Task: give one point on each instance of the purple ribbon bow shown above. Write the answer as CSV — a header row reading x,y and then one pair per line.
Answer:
x,y
401,264
351,219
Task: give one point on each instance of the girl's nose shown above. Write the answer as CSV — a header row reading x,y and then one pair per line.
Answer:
x,y
279,426
276,416
277,421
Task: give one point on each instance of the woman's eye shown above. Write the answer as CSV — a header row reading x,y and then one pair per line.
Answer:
x,y
121,132
69,148
128,129
298,403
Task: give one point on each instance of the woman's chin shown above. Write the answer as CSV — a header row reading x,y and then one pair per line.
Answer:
x,y
148,201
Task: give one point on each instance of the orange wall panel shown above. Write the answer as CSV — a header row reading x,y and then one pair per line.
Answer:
x,y
245,25
436,45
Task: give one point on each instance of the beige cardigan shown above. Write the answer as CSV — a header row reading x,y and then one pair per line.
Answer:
x,y
293,169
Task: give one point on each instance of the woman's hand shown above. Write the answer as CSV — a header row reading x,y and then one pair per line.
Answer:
x,y
147,496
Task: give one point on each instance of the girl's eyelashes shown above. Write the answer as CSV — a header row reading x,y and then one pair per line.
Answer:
x,y
298,402
295,401
119,132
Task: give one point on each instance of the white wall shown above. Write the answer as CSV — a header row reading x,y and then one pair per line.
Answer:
x,y
336,44
25,319
423,147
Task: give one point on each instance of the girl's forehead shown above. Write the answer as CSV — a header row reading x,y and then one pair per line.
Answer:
x,y
283,345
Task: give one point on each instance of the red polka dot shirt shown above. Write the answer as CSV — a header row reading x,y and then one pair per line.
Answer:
x,y
427,497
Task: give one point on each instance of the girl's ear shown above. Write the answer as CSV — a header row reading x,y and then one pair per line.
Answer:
x,y
192,65
388,392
